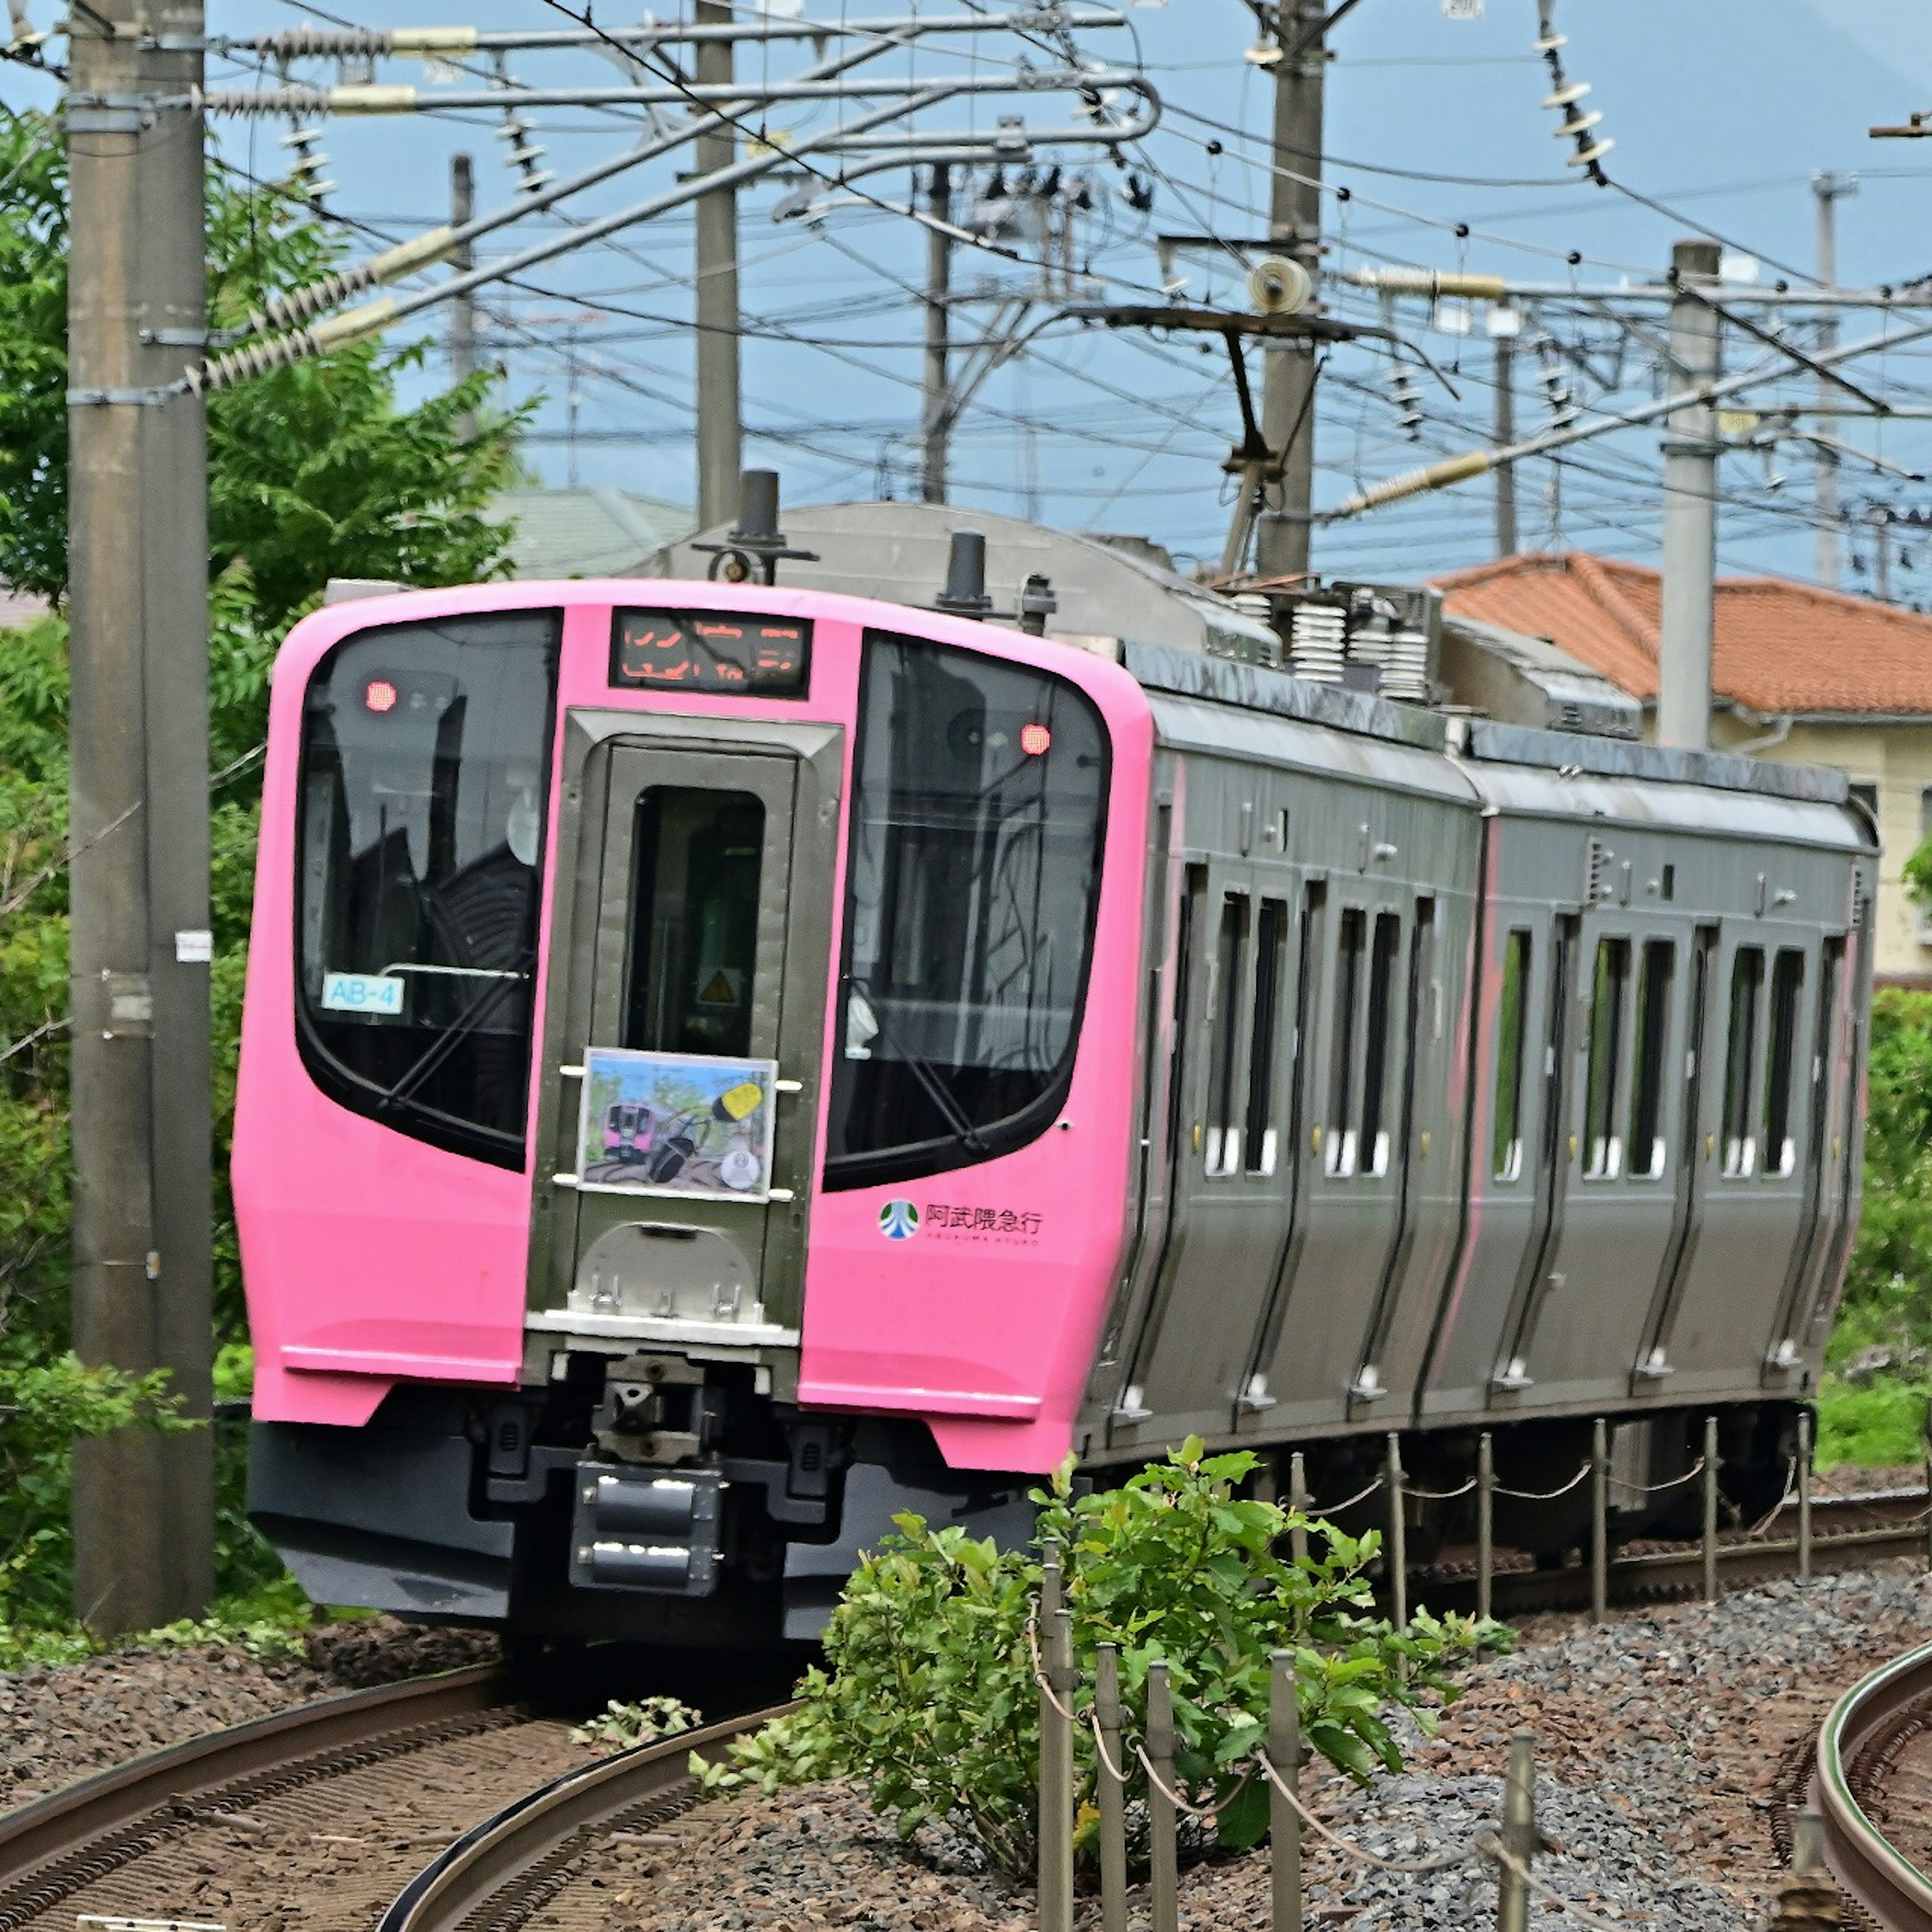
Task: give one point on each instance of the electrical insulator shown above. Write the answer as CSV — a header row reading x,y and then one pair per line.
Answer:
x,y
1556,390
305,167
1406,400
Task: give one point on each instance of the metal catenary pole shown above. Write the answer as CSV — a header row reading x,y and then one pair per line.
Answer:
x,y
720,432
1690,510
143,1503
1294,221
1826,188
1503,325
462,257
936,425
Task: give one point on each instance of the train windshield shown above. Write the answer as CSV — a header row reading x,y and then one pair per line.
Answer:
x,y
979,802
423,778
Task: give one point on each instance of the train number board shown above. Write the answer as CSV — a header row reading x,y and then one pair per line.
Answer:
x,y
724,653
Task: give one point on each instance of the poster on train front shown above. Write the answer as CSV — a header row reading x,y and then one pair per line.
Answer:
x,y
675,1123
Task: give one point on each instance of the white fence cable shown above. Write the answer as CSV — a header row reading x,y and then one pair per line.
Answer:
x,y
1690,1475
1313,1511
1546,1495
1443,1861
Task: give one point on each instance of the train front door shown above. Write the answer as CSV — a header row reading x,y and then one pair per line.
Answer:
x,y
688,974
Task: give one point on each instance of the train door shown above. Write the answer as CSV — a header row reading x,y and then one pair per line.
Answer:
x,y
1652,1365
1841,1132
677,1210
1755,1128
1547,1151
1823,1165
1228,1188
1351,1155
1584,1318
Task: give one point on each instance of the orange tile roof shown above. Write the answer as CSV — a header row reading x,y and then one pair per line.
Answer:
x,y
1780,646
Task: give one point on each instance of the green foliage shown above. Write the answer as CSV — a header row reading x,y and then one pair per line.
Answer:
x,y
51,1402
930,1697
620,1727
1878,1425
315,471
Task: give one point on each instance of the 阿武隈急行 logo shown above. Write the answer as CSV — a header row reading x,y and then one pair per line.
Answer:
x,y
898,1220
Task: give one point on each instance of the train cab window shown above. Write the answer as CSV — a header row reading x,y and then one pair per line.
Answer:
x,y
1262,1143
694,943
1603,1147
424,772
1512,1029
972,881
1375,1044
1648,1153
1787,986
1223,1148
1339,1158
1740,1142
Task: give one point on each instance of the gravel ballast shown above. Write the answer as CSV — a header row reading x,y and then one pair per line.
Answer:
x,y
1662,1741
60,1722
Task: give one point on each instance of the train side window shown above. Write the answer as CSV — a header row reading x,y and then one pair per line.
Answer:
x,y
1375,1148
1608,984
1231,961
1648,1153
1339,1157
1787,985
1512,1030
1740,1061
1270,965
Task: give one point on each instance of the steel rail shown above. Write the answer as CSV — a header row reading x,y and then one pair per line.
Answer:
x,y
50,1847
1853,1742
530,1844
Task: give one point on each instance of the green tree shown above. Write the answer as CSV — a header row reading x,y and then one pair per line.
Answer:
x,y
316,470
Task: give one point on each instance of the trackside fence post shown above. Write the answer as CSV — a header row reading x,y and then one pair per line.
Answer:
x,y
1298,1500
1710,1488
1056,1753
1112,1793
1928,1490
1805,1458
1284,1755
1486,1520
1163,1881
1599,1520
1398,1537
1807,1899
1519,1836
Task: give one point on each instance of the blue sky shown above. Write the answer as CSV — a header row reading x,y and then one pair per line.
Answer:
x,y
1722,109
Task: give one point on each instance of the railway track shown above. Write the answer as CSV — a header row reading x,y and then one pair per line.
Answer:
x,y
1865,1750
337,1805
545,1852
1846,1531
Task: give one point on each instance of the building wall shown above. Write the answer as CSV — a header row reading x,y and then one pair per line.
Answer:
x,y
1896,760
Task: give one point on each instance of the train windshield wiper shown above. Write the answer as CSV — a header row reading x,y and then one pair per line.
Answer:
x,y
928,1075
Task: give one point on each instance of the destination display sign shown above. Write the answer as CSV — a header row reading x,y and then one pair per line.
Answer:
x,y
721,653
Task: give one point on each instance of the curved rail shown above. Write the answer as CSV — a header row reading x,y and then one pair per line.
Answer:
x,y
54,1845
528,1846
1855,1743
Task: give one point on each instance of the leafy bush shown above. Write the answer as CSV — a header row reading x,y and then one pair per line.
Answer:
x,y
620,1727
930,1698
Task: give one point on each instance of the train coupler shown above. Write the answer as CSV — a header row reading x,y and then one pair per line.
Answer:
x,y
637,1528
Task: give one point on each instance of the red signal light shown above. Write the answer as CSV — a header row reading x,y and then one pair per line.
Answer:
x,y
1035,739
379,695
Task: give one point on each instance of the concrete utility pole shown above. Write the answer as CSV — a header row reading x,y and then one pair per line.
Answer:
x,y
720,434
462,260
143,1504
1294,221
1690,509
1503,325
1826,187
936,429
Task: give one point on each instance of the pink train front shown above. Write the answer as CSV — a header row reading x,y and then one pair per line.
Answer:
x,y
723,1064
